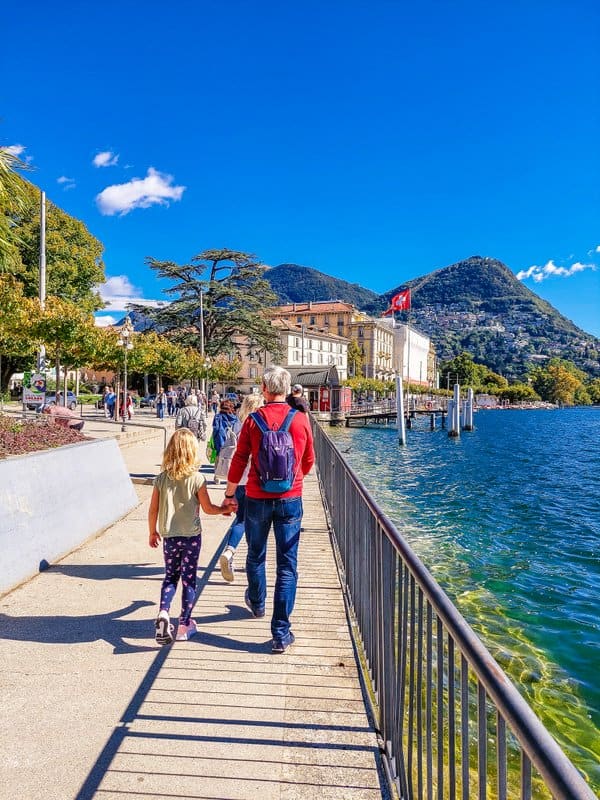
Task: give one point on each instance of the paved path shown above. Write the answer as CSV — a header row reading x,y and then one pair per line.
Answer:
x,y
92,708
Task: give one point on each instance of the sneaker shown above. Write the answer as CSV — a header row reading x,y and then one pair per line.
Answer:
x,y
163,628
256,611
281,645
185,632
226,564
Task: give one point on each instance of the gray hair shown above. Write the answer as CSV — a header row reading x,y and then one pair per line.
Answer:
x,y
277,380
191,400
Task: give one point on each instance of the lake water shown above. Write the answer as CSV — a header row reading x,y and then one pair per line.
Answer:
x,y
507,519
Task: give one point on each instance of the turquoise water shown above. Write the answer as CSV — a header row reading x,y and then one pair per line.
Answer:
x,y
507,518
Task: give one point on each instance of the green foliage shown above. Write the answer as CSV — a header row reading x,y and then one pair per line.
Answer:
x,y
233,291
517,392
559,382
295,284
73,256
593,390
355,358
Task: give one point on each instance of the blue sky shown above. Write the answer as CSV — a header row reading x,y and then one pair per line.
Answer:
x,y
375,141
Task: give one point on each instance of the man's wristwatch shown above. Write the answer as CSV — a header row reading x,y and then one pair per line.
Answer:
x,y
229,496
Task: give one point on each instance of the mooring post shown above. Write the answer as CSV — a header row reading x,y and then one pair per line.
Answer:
x,y
432,421
454,417
469,411
400,410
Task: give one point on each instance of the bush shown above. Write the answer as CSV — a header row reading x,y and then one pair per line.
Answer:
x,y
18,436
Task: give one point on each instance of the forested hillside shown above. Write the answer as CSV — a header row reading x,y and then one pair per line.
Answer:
x,y
476,305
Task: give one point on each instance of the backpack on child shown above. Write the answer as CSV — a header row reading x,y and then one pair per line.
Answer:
x,y
276,454
226,453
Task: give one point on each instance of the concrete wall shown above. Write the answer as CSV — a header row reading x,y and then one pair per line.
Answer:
x,y
51,502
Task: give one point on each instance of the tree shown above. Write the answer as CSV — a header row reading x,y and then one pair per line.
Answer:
x,y
73,256
355,358
13,199
516,392
17,323
593,389
233,294
74,263
558,381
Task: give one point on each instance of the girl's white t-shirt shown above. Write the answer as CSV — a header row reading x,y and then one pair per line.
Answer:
x,y
178,510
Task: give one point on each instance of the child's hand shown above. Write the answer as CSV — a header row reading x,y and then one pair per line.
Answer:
x,y
227,508
154,539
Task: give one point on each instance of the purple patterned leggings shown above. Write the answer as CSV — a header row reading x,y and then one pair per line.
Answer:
x,y
181,561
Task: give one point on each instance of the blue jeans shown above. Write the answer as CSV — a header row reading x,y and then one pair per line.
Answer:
x,y
236,531
286,516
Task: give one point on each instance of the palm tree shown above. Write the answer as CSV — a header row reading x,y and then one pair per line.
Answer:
x,y
13,199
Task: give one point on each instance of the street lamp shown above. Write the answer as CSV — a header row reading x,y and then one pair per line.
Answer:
x,y
207,364
124,341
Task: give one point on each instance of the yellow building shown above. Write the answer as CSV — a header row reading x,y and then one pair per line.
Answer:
x,y
373,337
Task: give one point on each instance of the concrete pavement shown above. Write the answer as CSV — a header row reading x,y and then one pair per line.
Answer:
x,y
93,708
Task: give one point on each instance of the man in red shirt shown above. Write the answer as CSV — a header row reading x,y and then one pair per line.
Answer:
x,y
283,510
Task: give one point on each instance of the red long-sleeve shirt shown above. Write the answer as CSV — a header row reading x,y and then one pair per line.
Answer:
x,y
249,444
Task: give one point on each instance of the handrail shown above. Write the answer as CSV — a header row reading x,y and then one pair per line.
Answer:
x,y
409,631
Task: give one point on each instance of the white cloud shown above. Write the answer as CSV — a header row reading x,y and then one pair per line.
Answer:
x,y
597,250
118,292
105,320
66,183
155,189
15,149
105,159
551,270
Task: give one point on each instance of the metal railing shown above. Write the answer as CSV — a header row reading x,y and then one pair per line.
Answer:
x,y
452,724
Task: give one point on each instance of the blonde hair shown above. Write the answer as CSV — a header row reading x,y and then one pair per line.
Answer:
x,y
249,404
181,458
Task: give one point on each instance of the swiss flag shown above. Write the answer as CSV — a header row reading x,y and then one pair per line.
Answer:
x,y
399,302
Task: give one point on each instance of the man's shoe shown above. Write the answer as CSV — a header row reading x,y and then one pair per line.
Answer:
x,y
256,611
163,628
185,632
281,645
226,564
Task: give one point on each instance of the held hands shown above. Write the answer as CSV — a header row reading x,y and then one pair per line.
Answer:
x,y
229,506
154,539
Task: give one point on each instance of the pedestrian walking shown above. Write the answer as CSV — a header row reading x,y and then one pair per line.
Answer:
x,y
174,519
110,401
214,402
279,441
160,402
296,399
225,429
250,403
192,417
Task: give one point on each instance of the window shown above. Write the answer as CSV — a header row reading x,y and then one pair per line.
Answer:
x,y
298,319
296,355
253,372
296,342
361,332
312,321
309,356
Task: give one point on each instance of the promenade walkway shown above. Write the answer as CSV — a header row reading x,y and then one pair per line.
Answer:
x,y
92,708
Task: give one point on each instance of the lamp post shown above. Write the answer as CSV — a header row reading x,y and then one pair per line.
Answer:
x,y
124,341
207,364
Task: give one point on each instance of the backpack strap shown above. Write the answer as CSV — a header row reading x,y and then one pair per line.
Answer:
x,y
288,420
260,421
262,424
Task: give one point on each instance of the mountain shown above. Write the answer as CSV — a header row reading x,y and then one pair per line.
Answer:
x,y
295,284
476,305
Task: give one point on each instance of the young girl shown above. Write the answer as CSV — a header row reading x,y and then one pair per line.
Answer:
x,y
174,517
249,404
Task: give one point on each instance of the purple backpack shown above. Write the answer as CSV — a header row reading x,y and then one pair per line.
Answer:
x,y
276,455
